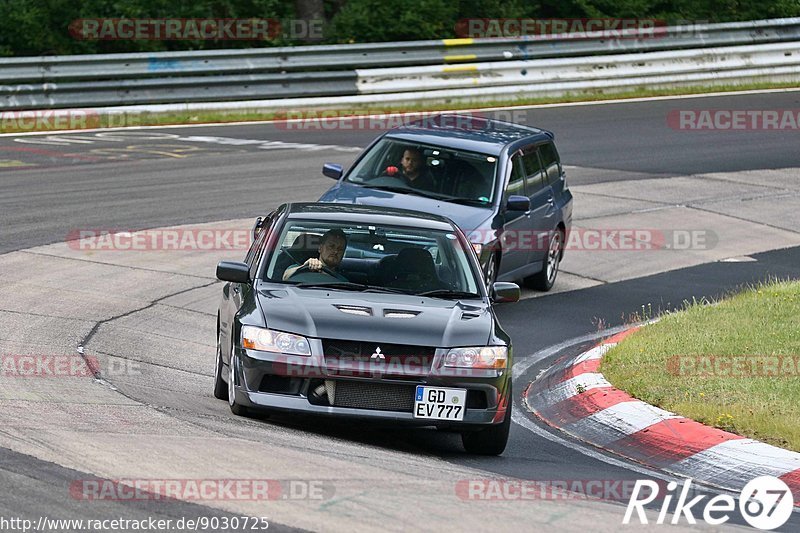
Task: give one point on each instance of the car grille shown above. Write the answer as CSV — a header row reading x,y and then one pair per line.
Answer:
x,y
366,395
355,358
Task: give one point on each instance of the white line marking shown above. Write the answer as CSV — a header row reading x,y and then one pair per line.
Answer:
x,y
618,421
595,353
521,367
744,459
521,420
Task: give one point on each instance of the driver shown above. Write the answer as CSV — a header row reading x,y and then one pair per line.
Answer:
x,y
331,252
413,170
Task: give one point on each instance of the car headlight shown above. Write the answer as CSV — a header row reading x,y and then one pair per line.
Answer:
x,y
266,340
477,357
478,248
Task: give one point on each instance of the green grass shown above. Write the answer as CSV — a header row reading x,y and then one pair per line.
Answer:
x,y
760,322
244,115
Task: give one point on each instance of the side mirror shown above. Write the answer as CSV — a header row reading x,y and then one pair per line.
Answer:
x,y
504,292
518,203
233,271
257,227
332,170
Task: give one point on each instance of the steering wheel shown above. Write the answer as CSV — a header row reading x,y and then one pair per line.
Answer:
x,y
313,276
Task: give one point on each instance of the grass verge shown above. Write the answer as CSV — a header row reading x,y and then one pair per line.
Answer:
x,y
734,365
249,115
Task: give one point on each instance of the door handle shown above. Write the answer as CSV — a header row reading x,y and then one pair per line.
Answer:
x,y
551,200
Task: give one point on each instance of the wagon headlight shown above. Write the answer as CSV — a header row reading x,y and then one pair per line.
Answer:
x,y
477,357
266,340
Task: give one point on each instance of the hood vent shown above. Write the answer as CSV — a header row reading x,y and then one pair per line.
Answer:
x,y
399,313
357,310
468,315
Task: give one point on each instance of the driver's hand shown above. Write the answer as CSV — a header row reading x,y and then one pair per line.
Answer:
x,y
314,264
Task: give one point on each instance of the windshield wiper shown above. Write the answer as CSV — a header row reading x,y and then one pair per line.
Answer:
x,y
344,285
433,195
350,286
390,188
447,293
466,201
406,190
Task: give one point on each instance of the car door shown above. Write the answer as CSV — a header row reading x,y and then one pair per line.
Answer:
x,y
558,182
233,293
516,223
542,214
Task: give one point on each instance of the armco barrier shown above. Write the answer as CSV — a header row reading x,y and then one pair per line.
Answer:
x,y
534,65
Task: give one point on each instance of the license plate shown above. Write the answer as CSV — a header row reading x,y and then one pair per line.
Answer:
x,y
437,403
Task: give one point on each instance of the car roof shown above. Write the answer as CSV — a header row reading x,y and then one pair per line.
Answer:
x,y
367,214
468,132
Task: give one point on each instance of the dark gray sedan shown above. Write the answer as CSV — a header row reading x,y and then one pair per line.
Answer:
x,y
366,312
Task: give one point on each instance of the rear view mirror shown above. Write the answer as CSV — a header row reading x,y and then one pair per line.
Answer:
x,y
503,292
518,203
233,271
332,170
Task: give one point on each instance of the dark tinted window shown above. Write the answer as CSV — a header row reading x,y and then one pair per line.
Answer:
x,y
258,245
516,184
533,170
550,162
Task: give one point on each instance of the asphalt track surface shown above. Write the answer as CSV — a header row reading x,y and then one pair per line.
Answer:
x,y
139,182
54,187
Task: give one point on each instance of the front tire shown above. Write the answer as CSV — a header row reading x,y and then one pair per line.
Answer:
x,y
544,280
220,387
492,440
490,273
236,408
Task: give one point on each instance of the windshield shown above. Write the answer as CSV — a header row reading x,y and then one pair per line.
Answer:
x,y
377,258
453,175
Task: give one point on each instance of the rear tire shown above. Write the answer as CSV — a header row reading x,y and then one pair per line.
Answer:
x,y
544,280
492,440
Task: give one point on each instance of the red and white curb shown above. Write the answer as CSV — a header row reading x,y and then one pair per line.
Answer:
x,y
574,397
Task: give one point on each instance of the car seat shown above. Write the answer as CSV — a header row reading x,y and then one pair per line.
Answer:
x,y
414,270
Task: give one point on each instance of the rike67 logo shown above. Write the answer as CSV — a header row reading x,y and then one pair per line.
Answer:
x,y
765,503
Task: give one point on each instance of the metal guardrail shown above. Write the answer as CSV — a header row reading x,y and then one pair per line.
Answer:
x,y
350,70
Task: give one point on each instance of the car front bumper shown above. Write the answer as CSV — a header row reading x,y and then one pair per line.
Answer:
x,y
277,382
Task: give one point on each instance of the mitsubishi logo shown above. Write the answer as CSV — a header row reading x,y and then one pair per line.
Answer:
x,y
378,354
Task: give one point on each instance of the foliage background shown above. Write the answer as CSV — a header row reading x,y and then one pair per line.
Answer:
x,y
40,27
